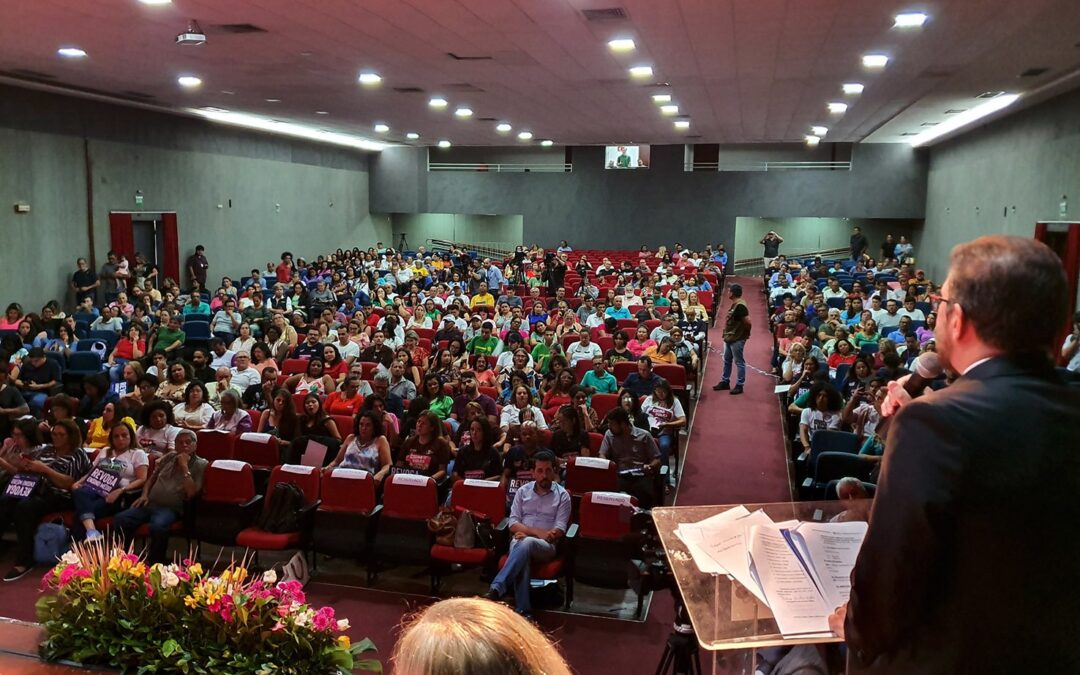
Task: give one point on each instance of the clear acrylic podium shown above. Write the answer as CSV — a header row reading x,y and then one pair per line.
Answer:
x,y
726,617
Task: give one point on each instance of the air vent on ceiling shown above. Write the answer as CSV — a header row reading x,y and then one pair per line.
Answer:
x,y
28,74
238,28
485,119
955,111
929,124
990,94
1034,72
408,90
606,14
462,86
910,133
467,57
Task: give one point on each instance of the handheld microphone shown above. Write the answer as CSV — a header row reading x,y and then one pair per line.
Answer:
x,y
925,367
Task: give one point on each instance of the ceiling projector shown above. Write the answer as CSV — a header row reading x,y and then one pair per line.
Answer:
x,y
192,36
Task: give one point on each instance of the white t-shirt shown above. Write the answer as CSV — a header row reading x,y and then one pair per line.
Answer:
x,y
242,379
577,351
157,440
511,415
197,419
348,350
816,420
223,361
123,464
915,314
659,414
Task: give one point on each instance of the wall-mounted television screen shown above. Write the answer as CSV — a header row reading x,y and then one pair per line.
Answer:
x,y
626,157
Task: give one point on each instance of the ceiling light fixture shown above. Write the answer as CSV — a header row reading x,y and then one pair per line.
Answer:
x,y
444,143
963,119
669,109
661,98
437,102
621,45
188,81
273,100
463,112
156,2
286,128
682,124
547,142
71,52
819,131
503,127
813,140
525,136
909,20
412,135
837,108
381,128
853,88
369,78
641,71
875,60
321,112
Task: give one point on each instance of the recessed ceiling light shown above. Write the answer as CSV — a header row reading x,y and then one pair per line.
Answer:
x,y
156,2
641,71
463,112
547,142
682,124
964,118
910,20
525,135
661,98
444,143
381,128
188,81
227,92
838,108
669,109
273,100
321,112
503,127
621,45
819,131
875,60
412,135
369,78
71,52
813,140
853,88
437,102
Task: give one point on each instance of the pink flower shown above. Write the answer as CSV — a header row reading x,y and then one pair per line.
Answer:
x,y
278,627
184,576
324,619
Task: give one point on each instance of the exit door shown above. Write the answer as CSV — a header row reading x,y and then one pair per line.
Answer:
x,y
154,235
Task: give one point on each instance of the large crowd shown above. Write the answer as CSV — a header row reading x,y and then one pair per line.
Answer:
x,y
443,364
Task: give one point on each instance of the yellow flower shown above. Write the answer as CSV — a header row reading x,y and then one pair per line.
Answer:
x,y
190,601
343,641
195,569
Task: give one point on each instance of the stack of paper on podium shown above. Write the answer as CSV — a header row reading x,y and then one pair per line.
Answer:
x,y
800,571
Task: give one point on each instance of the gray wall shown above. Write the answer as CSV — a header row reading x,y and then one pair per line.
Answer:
x,y
592,207
1002,178
807,235
490,230
180,164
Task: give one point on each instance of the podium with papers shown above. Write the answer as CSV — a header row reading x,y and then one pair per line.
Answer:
x,y
762,575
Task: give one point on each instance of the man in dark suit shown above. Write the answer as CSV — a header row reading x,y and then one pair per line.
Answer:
x,y
971,560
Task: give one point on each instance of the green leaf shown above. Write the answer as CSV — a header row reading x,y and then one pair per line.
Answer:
x,y
169,647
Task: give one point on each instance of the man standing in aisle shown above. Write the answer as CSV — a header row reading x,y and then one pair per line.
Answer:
x,y
969,564
771,242
197,265
859,243
736,333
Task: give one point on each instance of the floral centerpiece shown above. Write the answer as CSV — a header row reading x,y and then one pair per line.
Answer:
x,y
105,606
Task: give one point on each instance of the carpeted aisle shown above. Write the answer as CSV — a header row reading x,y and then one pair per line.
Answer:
x,y
736,449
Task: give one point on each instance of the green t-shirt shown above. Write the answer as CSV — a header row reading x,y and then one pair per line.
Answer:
x,y
541,354
167,338
622,161
661,301
603,385
478,345
441,406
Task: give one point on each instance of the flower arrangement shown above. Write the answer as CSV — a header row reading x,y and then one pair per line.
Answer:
x,y
105,606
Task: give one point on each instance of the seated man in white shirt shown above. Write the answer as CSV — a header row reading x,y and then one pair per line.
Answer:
x,y
597,319
583,349
243,375
784,288
833,290
222,357
910,311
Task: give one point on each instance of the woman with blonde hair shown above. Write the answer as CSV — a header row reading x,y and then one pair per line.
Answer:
x,y
471,636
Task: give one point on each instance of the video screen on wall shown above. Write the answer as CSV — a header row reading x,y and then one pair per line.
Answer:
x,y
626,157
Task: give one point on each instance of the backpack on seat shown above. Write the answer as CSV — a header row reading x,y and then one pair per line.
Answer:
x,y
282,512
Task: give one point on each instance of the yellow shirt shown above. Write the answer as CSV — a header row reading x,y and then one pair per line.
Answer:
x,y
97,436
420,272
485,299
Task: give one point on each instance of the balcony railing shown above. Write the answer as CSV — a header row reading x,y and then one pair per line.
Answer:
x,y
767,166
500,168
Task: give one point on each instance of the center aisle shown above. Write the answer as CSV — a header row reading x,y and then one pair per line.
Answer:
x,y
735,453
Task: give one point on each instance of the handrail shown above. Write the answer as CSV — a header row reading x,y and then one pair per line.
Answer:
x,y
765,166
500,168
745,266
479,248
